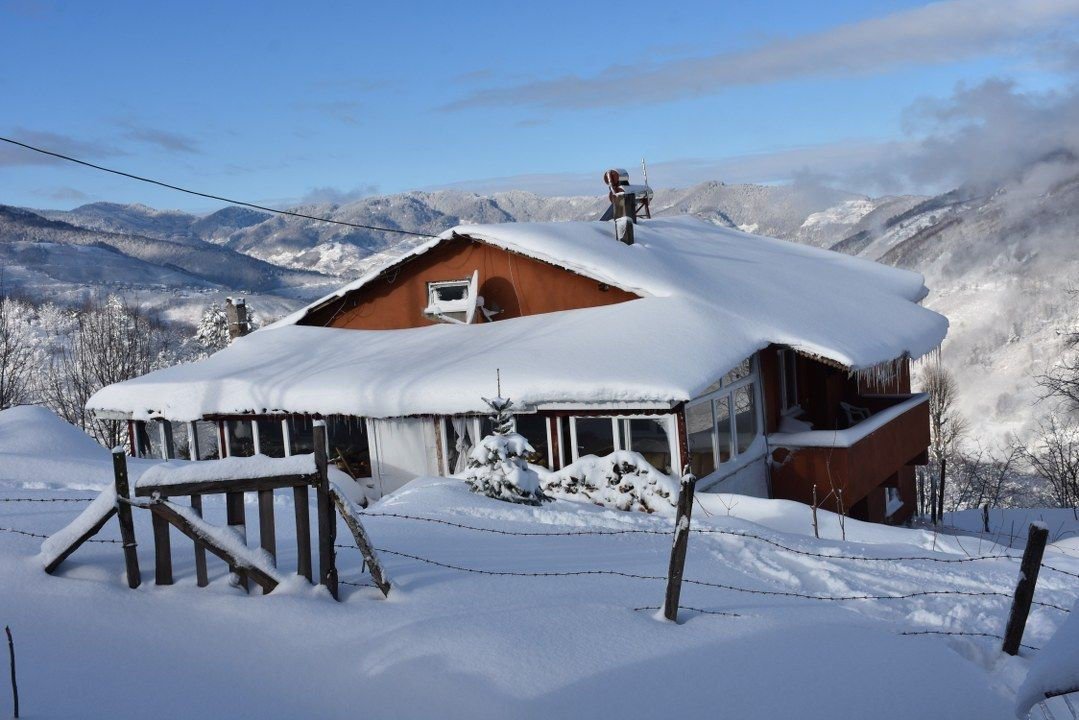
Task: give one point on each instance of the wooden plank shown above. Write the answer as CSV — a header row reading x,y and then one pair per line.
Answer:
x,y
679,548
300,502
162,551
59,559
201,574
327,520
267,532
362,541
240,485
1024,589
123,514
178,521
234,514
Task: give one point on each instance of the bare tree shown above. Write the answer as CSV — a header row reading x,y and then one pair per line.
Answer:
x,y
946,426
1061,381
1054,456
986,476
20,353
105,343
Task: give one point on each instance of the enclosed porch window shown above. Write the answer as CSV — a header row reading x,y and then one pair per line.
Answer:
x,y
724,424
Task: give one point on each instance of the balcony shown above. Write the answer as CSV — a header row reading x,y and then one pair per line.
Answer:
x,y
856,460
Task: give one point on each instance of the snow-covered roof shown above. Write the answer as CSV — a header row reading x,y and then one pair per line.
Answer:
x,y
710,296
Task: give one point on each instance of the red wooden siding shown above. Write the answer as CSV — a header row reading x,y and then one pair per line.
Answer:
x,y
517,284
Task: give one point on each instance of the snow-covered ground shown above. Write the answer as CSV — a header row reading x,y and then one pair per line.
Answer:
x,y
451,643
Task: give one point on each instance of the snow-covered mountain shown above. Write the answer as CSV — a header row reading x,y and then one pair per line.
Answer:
x,y
51,259
998,261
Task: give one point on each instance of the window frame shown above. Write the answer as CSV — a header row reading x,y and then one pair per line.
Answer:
x,y
788,362
727,391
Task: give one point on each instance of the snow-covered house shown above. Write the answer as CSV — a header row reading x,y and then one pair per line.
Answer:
x,y
767,367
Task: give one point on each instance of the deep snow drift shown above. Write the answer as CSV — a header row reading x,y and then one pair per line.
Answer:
x,y
453,643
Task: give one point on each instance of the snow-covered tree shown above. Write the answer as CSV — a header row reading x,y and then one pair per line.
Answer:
x,y
497,466
212,333
103,343
21,352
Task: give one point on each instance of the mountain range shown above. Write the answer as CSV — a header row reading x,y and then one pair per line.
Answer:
x,y
1000,261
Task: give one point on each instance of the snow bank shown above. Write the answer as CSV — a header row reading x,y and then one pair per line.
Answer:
x,y
710,297
176,472
622,480
1055,669
39,450
54,545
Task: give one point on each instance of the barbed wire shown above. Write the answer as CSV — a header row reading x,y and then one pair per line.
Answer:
x,y
964,633
691,609
704,583
45,537
864,558
44,500
1062,572
527,533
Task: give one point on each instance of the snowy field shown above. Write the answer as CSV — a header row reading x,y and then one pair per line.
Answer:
x,y
451,643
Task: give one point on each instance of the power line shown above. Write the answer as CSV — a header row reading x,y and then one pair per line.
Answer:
x,y
170,186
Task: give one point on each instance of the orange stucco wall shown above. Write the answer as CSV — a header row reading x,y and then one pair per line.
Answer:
x,y
517,284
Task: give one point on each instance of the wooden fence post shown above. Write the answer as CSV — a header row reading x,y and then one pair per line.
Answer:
x,y
14,681
300,502
681,544
236,518
123,515
1024,589
162,551
267,532
327,518
201,575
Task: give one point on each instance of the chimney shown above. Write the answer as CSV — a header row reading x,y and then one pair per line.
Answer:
x,y
628,203
623,216
236,313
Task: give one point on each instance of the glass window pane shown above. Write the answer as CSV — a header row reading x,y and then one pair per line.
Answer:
x,y
745,417
208,440
534,430
564,440
347,437
153,439
299,434
723,427
271,437
649,438
699,427
595,436
739,372
241,439
790,379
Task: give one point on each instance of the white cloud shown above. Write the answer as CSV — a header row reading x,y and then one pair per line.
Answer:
x,y
938,33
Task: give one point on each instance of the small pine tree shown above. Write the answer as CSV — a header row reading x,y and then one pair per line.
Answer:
x,y
212,333
497,466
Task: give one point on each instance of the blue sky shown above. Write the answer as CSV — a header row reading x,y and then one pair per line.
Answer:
x,y
279,102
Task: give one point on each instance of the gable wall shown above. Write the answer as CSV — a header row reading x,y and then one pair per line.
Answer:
x,y
517,284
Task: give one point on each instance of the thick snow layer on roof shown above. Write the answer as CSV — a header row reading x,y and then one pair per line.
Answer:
x,y
711,296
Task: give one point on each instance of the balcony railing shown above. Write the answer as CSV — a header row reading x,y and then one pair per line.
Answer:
x,y
855,460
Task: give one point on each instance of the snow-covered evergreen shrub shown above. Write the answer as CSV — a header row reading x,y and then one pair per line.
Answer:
x,y
622,480
212,333
497,466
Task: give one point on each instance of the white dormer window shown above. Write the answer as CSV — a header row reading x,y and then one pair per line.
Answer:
x,y
452,301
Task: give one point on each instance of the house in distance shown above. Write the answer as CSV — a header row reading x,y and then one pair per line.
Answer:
x,y
767,367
